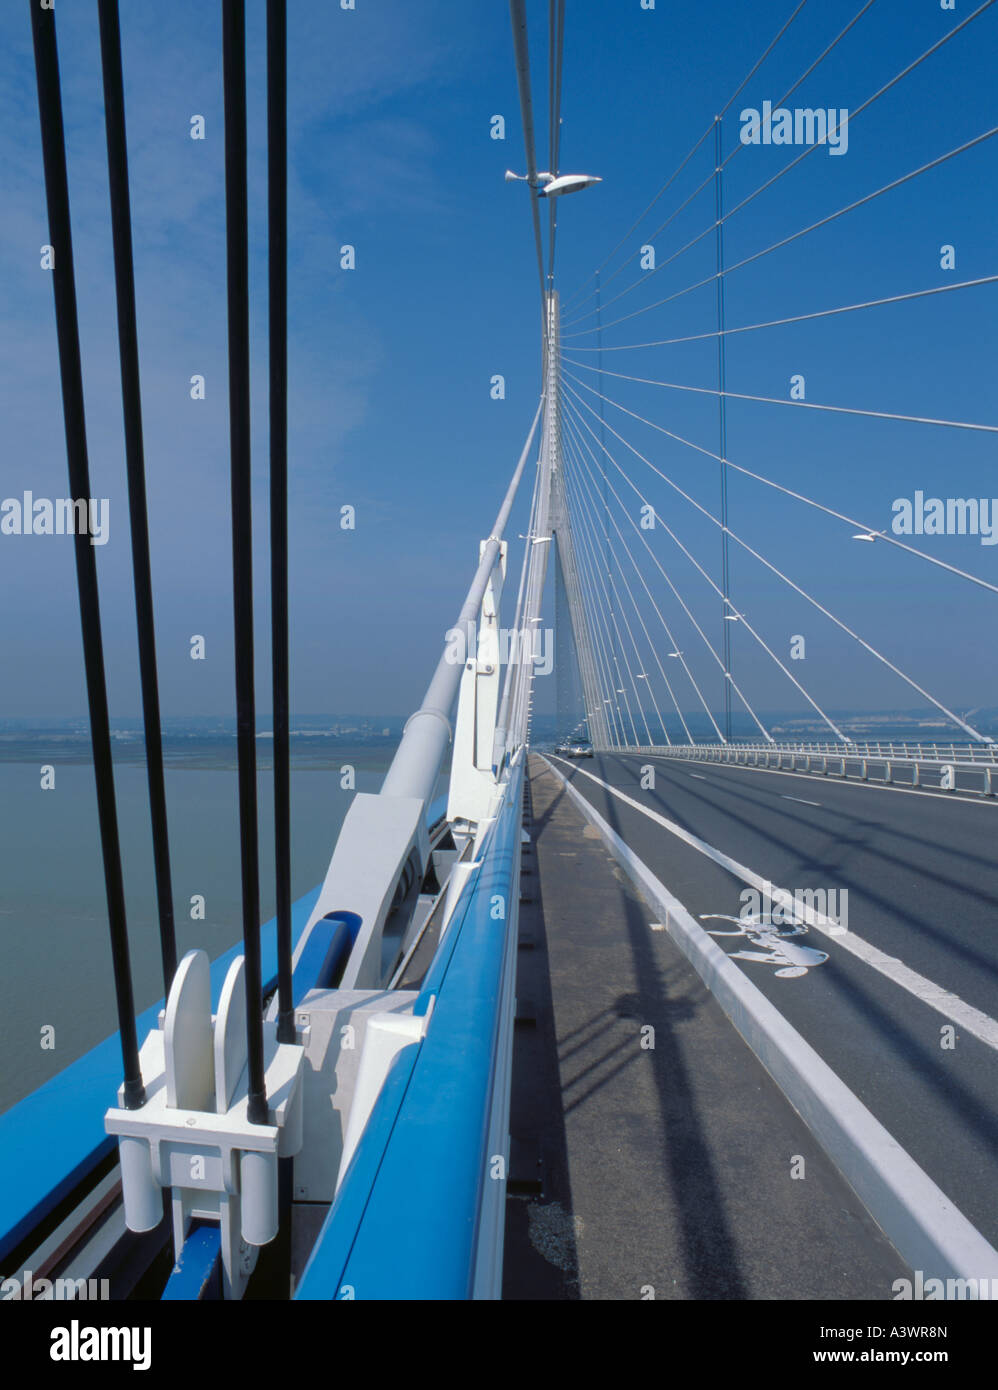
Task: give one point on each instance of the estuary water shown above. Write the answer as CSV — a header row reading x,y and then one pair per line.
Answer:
x,y
55,958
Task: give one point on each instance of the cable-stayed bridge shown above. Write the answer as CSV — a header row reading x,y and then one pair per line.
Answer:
x,y
752,958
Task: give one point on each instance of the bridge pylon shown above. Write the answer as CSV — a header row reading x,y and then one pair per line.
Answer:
x,y
561,532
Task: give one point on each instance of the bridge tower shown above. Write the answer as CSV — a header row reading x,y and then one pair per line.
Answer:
x,y
561,533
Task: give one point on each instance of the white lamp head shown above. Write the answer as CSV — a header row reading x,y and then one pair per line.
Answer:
x,y
567,183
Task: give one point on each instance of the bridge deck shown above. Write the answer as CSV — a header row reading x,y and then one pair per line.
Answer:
x,y
666,1168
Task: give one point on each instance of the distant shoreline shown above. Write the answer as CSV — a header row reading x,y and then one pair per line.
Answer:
x,y
314,753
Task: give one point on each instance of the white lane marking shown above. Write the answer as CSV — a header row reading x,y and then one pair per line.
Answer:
x,y
979,1025
698,777
921,1222
965,799
801,801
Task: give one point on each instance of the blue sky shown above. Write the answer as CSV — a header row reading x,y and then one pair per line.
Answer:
x,y
390,364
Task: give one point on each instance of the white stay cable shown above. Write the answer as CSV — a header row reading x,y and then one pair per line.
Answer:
x,y
767,649
637,612
777,400
744,82
804,153
579,444
789,492
794,318
803,231
588,490
682,604
585,514
693,560
596,617
980,738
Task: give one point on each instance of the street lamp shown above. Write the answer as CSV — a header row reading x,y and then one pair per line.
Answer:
x,y
554,187
568,183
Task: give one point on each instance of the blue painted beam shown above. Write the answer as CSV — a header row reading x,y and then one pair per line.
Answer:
x,y
50,1140
197,1275
326,948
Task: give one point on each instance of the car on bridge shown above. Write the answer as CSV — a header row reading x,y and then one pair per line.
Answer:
x,y
579,748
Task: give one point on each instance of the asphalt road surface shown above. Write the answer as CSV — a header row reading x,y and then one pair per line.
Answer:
x,y
919,1044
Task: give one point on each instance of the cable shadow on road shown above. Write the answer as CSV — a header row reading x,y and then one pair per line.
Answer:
x,y
710,1255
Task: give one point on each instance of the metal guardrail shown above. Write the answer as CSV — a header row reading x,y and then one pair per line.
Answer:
x,y
945,767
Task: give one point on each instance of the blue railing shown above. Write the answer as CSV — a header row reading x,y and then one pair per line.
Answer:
x,y
411,1216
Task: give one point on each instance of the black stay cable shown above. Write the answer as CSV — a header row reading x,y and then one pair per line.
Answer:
x,y
237,263
71,375
124,279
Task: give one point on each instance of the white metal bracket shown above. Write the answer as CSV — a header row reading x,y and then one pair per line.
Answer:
x,y
472,782
193,1135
